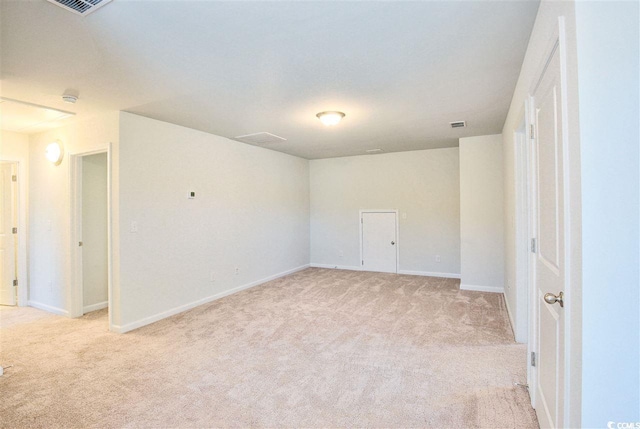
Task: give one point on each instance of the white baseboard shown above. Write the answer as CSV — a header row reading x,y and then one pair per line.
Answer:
x,y
49,308
94,307
163,315
430,274
337,267
493,289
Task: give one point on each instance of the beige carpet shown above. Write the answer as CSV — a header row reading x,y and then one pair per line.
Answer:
x,y
320,348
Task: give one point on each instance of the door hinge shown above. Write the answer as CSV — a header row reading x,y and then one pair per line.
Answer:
x,y
362,262
532,132
80,243
533,358
361,221
14,230
15,282
14,178
534,248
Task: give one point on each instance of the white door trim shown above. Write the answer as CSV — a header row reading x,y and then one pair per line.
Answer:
x,y
75,180
522,225
394,211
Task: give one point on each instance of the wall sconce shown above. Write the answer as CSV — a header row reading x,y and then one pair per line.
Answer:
x,y
55,152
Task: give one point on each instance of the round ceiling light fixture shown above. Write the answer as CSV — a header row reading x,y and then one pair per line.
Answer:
x,y
55,152
330,118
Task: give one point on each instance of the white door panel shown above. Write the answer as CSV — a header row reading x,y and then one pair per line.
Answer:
x,y
7,238
379,242
549,258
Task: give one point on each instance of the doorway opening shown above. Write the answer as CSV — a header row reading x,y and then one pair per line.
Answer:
x,y
91,232
9,233
379,240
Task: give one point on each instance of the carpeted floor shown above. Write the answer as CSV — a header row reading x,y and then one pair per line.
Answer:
x,y
319,348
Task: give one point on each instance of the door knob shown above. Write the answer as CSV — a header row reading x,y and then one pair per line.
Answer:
x,y
393,242
550,298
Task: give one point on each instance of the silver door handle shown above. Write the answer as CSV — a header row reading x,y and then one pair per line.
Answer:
x,y
550,298
393,242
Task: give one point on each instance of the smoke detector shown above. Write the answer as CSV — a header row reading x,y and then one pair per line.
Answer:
x,y
69,98
80,7
458,124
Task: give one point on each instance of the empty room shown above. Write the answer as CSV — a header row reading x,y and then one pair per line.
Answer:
x,y
319,214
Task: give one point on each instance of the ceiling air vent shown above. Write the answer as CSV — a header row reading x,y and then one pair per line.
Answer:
x,y
80,7
374,151
458,124
260,139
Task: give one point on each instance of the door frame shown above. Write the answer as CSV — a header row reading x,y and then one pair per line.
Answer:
x,y
571,377
360,223
76,305
21,245
523,222
525,232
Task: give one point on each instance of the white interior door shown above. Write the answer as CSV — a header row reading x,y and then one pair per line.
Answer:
x,y
379,242
8,241
549,265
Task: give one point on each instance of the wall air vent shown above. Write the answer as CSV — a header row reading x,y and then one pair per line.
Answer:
x,y
458,124
260,139
80,7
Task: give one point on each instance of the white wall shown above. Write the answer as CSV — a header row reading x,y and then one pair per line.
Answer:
x,y
94,231
424,185
608,74
481,213
15,147
251,211
50,206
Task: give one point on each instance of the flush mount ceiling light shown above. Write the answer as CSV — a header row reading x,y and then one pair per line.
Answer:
x,y
55,152
330,118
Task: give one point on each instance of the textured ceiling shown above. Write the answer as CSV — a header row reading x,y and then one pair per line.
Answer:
x,y
401,71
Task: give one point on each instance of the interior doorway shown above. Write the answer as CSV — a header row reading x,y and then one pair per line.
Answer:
x,y
90,240
379,240
94,233
8,233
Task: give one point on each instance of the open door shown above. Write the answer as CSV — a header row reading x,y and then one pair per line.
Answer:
x,y
8,234
549,262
